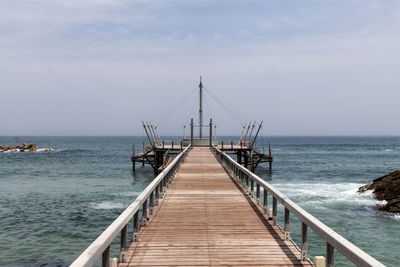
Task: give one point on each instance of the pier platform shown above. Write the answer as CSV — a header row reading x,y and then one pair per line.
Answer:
x,y
207,219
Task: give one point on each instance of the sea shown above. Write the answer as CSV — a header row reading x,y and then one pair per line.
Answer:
x,y
54,204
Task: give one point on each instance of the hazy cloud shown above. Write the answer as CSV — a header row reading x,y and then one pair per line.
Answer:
x,y
100,67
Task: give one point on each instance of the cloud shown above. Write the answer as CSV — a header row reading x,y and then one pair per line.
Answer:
x,y
94,67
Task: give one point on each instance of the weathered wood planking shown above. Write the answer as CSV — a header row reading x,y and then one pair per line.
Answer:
x,y
205,219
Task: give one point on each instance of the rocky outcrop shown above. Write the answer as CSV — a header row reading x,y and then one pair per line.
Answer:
x,y
386,188
17,148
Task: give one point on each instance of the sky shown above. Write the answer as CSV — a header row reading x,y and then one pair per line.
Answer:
x,y
101,67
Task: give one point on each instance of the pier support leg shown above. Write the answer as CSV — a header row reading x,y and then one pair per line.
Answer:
x,y
133,154
239,157
246,160
270,154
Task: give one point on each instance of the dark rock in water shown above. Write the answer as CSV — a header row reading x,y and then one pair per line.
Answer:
x,y
16,148
386,188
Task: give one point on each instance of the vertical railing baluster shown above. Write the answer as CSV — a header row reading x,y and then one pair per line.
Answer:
x,y
164,186
265,202
251,187
144,213
136,227
258,193
167,179
304,241
122,248
151,202
287,224
157,194
105,257
330,255
274,211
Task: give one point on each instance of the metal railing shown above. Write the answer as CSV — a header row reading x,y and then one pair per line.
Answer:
x,y
333,240
155,190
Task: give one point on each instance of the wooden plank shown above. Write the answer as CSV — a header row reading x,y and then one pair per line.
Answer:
x,y
206,219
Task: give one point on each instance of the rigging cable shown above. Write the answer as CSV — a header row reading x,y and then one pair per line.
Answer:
x,y
227,109
191,111
175,107
229,106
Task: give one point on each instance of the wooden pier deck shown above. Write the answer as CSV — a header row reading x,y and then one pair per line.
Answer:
x,y
206,219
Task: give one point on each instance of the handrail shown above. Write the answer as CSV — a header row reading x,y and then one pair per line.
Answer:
x,y
333,239
101,246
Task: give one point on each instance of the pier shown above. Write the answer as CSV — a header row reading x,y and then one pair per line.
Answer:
x,y
205,208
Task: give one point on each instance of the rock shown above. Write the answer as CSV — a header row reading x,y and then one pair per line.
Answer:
x,y
386,188
17,148
30,147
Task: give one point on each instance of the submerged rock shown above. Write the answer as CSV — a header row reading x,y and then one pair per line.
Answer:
x,y
386,188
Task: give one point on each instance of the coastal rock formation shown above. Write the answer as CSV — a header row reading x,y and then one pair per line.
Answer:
x,y
23,148
386,188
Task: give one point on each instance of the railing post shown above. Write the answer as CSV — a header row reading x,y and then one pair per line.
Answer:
x,y
258,193
330,255
105,257
247,183
166,178
162,188
265,201
274,210
144,213
304,241
251,187
136,227
122,248
211,133
287,224
151,202
157,190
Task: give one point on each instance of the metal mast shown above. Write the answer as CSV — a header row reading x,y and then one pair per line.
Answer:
x,y
201,109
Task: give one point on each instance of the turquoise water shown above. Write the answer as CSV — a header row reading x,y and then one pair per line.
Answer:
x,y
54,204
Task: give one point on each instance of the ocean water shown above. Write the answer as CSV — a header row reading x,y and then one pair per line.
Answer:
x,y
54,204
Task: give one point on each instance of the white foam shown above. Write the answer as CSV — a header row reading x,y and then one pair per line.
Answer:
x,y
396,217
106,205
128,194
45,149
319,194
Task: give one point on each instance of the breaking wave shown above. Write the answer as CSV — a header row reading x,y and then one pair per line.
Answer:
x,y
326,194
